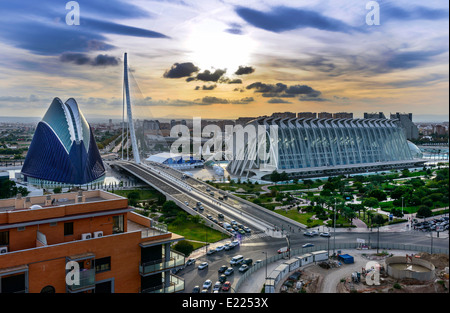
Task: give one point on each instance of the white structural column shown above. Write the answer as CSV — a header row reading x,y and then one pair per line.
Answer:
x,y
129,114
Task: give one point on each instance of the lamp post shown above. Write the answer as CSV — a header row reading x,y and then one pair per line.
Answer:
x,y
402,206
266,261
334,230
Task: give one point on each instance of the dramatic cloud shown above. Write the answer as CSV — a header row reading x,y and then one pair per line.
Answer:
x,y
281,90
281,19
216,100
243,70
235,29
391,12
43,30
83,59
235,81
278,100
204,87
208,76
179,70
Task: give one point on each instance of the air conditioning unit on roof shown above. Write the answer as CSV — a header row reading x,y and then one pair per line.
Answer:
x,y
86,236
98,234
3,250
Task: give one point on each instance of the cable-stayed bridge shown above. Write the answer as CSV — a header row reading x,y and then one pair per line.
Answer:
x,y
191,194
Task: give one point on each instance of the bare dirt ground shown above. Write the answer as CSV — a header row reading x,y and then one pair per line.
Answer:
x,y
316,279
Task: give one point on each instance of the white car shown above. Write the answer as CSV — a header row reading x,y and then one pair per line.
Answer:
x,y
207,284
203,265
219,248
325,234
217,286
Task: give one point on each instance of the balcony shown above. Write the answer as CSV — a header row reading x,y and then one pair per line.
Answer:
x,y
148,268
176,285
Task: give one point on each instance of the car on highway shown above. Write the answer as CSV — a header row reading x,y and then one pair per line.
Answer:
x,y
209,217
233,222
229,271
247,261
247,230
196,289
308,234
222,269
236,260
241,231
243,268
204,291
207,284
217,286
235,243
211,251
226,286
306,245
227,247
220,215
315,233
325,234
187,203
219,248
222,278
190,261
203,265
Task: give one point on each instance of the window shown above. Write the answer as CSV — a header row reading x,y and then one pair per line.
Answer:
x,y
103,264
68,229
4,238
117,224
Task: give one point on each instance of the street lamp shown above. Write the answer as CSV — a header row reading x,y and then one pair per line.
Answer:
x,y
334,230
402,206
266,261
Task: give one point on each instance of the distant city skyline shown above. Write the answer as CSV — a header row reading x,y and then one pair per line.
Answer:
x,y
226,59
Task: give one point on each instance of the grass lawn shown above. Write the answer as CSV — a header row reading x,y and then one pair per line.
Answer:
x,y
144,194
295,186
196,231
300,217
249,188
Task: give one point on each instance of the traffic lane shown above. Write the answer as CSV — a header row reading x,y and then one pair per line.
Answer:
x,y
195,277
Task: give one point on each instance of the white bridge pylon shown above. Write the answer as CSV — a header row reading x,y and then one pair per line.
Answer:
x,y
130,126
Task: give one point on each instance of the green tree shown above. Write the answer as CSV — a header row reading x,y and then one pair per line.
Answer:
x,y
370,202
133,197
424,211
184,247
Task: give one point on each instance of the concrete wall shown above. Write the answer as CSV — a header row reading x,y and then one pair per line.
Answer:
x,y
399,274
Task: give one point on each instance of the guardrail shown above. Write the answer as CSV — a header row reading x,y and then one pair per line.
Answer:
x,y
338,246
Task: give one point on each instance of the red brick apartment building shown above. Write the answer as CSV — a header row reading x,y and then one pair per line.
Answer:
x,y
116,249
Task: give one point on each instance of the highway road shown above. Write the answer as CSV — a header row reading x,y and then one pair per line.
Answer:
x,y
191,190
256,249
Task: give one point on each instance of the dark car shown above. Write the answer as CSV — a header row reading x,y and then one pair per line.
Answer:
x,y
247,261
222,278
222,269
196,289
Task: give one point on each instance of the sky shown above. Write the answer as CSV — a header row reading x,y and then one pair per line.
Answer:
x,y
219,59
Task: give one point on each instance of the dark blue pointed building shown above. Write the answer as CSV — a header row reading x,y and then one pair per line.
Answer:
x,y
63,149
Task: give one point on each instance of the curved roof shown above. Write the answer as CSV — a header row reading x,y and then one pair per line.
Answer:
x,y
63,148
67,122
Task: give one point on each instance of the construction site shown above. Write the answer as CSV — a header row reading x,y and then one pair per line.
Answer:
x,y
370,272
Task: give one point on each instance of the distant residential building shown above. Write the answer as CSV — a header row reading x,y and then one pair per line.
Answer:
x,y
410,129
284,115
374,115
243,120
343,115
440,130
306,115
324,115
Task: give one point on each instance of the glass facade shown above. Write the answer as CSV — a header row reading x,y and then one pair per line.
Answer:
x,y
325,143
